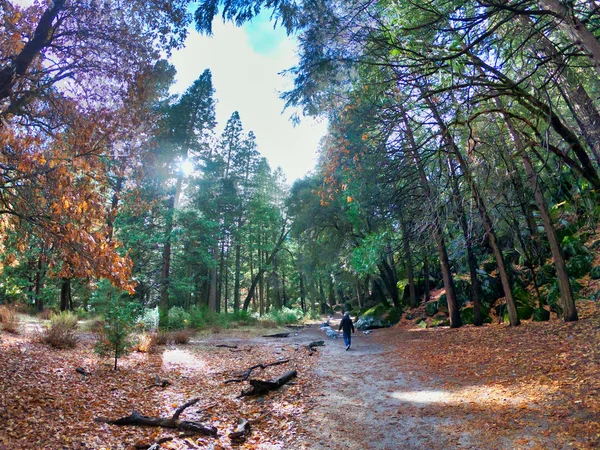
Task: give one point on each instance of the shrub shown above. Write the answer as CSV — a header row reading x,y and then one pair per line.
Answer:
x,y
148,321
180,336
146,342
243,317
162,338
178,318
61,331
46,314
115,337
285,315
197,319
9,318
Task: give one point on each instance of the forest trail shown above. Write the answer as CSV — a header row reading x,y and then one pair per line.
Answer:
x,y
490,387
360,402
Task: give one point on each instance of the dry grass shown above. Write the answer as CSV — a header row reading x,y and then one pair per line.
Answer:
x,y
162,338
62,330
146,342
9,318
180,336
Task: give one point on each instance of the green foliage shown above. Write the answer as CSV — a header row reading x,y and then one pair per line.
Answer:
x,y
285,315
115,334
148,320
431,308
540,315
579,265
595,273
572,246
178,318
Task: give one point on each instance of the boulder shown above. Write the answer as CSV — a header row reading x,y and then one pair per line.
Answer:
x,y
540,315
573,246
442,303
431,308
378,317
579,265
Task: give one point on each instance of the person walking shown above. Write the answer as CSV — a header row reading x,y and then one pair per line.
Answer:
x,y
347,326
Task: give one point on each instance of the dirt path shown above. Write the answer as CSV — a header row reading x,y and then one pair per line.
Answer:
x,y
361,402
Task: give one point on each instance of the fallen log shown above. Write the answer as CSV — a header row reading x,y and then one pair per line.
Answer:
x,y
226,346
166,422
246,374
277,335
312,345
241,432
260,387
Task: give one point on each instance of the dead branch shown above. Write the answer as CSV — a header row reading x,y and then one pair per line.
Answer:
x,y
166,422
246,374
158,383
312,345
226,346
277,335
242,430
259,387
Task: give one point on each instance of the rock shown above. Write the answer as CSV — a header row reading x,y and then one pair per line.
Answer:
x,y
579,265
573,246
378,317
442,304
440,323
467,315
540,315
431,308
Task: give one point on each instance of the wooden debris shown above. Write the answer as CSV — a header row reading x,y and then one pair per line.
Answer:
x,y
246,374
312,345
158,383
277,335
82,372
226,346
166,422
241,432
259,387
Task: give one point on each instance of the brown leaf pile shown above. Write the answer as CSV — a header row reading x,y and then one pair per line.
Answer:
x,y
540,381
46,404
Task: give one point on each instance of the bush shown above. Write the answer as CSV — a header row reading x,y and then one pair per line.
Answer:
x,y
61,332
162,338
285,315
9,318
114,339
146,342
178,318
180,336
243,317
148,321
46,314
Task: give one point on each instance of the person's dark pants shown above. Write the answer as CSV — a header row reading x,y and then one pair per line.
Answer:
x,y
347,339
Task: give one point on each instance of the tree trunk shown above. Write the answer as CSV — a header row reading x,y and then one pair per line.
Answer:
x,y
564,285
574,28
236,283
487,222
65,294
471,259
453,309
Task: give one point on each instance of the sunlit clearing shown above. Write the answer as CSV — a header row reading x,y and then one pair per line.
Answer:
x,y
187,167
482,395
422,397
183,358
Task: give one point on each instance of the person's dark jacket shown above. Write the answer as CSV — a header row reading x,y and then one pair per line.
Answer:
x,y
346,324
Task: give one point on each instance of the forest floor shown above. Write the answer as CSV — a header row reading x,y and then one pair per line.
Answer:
x,y
536,386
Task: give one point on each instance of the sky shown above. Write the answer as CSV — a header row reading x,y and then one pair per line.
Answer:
x,y
246,63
